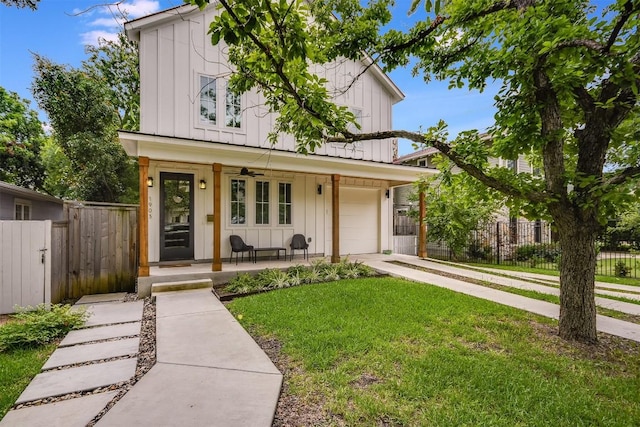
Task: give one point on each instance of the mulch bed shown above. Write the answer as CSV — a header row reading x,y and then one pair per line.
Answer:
x,y
293,411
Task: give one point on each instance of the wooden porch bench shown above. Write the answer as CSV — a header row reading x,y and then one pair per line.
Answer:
x,y
272,249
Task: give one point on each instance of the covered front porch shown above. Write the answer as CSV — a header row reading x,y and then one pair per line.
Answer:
x,y
342,206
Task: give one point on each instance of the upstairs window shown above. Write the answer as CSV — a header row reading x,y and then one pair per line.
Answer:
x,y
207,100
284,203
262,202
238,201
22,211
233,110
358,113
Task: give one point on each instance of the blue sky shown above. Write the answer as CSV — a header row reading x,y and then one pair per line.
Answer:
x,y
56,31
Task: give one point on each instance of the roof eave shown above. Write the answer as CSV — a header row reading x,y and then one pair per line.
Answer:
x,y
175,149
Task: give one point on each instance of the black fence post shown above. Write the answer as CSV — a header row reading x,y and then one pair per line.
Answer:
x,y
497,242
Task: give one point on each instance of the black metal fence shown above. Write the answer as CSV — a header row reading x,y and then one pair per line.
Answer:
x,y
534,244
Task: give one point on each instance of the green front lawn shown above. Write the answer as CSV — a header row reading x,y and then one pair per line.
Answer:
x,y
17,368
388,351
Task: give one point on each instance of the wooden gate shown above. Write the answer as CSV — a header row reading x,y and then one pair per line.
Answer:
x,y
25,264
102,242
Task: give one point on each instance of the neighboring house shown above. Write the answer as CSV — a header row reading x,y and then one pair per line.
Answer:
x,y
18,203
207,170
508,230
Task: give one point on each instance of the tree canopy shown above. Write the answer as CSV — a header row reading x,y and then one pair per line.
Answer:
x,y
85,123
31,4
21,138
569,73
116,63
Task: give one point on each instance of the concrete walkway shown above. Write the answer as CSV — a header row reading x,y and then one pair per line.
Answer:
x,y
604,324
209,371
101,355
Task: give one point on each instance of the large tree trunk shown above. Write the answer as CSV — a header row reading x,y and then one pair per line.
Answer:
x,y
577,281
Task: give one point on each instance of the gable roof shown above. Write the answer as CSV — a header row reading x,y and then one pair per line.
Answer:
x,y
416,155
26,193
133,28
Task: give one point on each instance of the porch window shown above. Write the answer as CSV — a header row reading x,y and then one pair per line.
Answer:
x,y
238,201
233,110
284,203
207,100
23,211
262,202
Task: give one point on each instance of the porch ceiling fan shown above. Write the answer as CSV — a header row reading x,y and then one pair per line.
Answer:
x,y
246,172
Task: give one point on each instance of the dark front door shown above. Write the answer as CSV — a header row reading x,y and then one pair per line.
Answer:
x,y
176,216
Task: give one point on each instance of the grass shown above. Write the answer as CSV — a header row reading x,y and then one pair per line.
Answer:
x,y
554,299
383,350
600,278
17,368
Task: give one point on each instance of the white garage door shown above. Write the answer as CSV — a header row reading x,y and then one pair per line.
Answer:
x,y
359,221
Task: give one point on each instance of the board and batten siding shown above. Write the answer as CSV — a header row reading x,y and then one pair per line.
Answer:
x,y
308,210
175,53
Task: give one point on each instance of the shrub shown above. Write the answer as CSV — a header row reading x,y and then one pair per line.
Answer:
x,y
242,284
273,278
544,252
479,251
39,325
622,269
319,271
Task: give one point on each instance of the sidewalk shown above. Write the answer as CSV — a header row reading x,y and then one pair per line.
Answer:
x,y
208,371
604,324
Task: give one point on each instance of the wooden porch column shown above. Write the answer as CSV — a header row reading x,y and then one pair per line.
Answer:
x,y
422,230
217,180
143,218
335,218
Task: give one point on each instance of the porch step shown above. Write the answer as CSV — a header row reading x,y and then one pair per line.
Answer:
x,y
183,285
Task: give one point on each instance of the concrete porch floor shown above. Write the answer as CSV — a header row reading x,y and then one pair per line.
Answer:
x,y
176,272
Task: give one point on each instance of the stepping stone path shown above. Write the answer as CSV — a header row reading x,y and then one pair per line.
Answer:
x,y
101,354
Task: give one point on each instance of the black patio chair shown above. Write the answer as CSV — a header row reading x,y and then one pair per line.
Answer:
x,y
298,241
239,246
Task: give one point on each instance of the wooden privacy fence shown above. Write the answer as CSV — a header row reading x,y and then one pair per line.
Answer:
x,y
95,250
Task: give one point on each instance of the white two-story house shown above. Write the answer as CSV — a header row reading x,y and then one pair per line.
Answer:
x,y
207,170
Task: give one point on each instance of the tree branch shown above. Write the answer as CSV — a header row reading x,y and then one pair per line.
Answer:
x,y
551,120
584,99
622,19
622,176
278,67
445,149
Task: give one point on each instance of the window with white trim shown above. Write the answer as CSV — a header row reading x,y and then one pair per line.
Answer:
x,y
233,109
238,201
358,113
262,202
284,203
207,100
22,210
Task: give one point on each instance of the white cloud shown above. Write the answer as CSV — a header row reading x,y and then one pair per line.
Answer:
x,y
109,19
138,8
92,37
114,22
